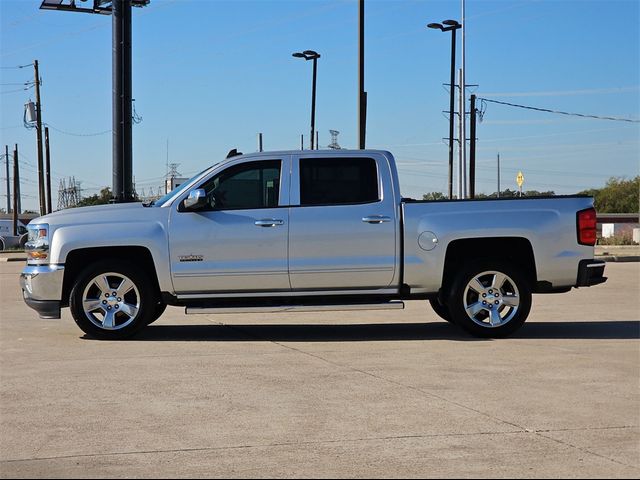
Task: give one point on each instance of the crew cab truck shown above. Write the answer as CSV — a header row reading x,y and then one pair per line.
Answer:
x,y
307,230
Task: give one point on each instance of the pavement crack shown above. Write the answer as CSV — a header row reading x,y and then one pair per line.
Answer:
x,y
266,445
519,428
378,377
582,449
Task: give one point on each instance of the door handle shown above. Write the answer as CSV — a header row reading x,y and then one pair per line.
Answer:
x,y
268,222
376,219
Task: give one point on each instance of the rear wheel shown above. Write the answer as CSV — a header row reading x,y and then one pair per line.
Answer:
x,y
490,299
112,300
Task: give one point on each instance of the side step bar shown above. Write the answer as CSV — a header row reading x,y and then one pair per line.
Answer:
x,y
392,305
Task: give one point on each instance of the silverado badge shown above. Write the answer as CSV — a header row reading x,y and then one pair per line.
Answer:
x,y
190,258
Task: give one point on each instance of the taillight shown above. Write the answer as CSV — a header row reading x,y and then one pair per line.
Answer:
x,y
587,226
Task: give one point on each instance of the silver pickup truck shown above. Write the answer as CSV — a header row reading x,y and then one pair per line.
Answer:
x,y
307,230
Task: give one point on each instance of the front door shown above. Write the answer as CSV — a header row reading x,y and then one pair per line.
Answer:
x,y
238,241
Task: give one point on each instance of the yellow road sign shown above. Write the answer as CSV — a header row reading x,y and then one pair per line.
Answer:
x,y
520,179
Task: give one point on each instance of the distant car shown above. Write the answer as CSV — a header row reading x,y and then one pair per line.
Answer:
x,y
8,239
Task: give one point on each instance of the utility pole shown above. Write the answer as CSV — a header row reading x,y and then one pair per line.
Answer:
x,y
302,142
48,168
6,158
498,175
41,194
16,190
463,103
362,95
461,141
260,142
16,185
472,148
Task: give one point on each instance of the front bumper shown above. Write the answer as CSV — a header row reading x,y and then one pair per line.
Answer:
x,y
42,288
590,272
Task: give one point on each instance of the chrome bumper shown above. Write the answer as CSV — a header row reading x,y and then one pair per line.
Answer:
x,y
42,288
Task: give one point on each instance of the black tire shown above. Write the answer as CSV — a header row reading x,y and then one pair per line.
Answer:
x,y
131,309
23,240
1,244
441,310
490,299
160,308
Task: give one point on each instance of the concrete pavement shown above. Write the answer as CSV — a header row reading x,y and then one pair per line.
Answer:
x,y
355,394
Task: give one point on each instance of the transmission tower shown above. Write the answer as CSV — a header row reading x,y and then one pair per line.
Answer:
x,y
69,195
334,140
171,174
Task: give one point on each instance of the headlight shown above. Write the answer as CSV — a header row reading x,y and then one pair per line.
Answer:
x,y
37,246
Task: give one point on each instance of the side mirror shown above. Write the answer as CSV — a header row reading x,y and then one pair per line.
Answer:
x,y
197,198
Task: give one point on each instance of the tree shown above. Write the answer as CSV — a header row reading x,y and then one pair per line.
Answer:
x,y
507,193
101,198
434,196
617,196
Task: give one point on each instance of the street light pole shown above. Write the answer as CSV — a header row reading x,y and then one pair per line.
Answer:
x,y
362,95
311,55
452,27
313,102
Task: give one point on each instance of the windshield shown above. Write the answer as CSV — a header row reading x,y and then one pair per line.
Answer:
x,y
162,200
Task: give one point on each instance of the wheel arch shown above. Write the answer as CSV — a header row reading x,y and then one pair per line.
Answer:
x,y
79,259
514,250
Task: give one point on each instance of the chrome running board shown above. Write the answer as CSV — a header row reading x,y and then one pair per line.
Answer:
x,y
392,305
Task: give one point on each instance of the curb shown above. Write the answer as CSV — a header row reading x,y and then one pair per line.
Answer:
x,y
615,258
13,259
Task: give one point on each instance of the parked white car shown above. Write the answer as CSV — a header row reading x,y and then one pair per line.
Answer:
x,y
8,239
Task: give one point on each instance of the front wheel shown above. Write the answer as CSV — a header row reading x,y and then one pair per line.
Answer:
x,y
490,299
112,300
441,310
158,311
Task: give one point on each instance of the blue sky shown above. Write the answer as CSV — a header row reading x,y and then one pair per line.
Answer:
x,y
209,75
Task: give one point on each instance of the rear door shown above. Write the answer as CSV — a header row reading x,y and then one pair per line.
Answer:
x,y
342,223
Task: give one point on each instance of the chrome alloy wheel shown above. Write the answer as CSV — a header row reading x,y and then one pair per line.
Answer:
x,y
111,301
491,299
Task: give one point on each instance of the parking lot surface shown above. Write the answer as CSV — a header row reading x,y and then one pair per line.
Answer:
x,y
354,394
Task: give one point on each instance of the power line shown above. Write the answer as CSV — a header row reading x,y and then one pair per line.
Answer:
x,y
78,134
17,90
17,66
616,119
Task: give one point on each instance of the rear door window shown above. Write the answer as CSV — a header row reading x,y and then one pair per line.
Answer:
x,y
338,181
